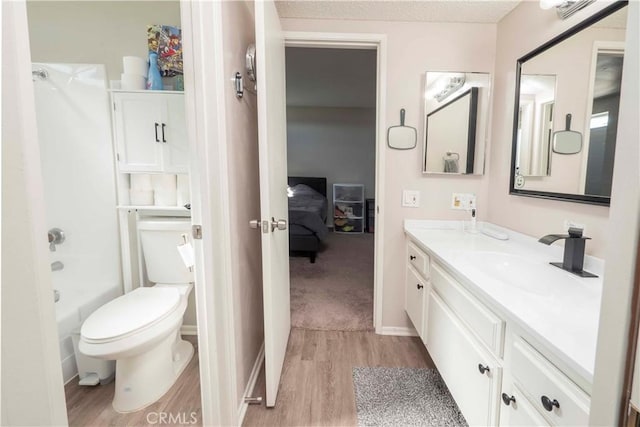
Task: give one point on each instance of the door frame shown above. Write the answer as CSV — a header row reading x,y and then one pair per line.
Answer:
x,y
379,43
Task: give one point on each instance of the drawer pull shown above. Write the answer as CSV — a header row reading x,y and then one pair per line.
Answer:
x,y
508,399
412,257
549,404
483,369
419,286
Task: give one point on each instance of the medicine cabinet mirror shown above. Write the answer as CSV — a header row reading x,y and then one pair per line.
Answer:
x,y
566,112
456,119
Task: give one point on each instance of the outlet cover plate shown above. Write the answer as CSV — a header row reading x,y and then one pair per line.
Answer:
x,y
463,201
411,198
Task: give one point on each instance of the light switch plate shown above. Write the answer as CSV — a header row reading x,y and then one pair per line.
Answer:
x,y
463,201
411,198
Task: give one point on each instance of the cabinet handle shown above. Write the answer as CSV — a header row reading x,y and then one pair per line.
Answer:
x,y
483,369
508,399
163,140
549,404
412,257
419,286
157,140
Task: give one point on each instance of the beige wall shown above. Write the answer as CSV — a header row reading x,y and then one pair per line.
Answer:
x,y
413,49
95,32
242,133
524,29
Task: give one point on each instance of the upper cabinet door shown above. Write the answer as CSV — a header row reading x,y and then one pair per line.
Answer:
x,y
137,123
174,135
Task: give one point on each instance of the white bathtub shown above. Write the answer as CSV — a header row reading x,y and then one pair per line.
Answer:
x,y
76,159
81,293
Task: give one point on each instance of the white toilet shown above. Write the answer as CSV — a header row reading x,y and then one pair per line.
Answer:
x,y
141,329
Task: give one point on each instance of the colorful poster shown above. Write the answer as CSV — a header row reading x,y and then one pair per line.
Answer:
x,y
166,41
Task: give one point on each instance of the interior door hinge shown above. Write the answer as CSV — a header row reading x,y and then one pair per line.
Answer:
x,y
196,231
114,106
118,156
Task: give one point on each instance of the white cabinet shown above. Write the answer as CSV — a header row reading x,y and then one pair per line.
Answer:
x,y
348,208
417,288
472,375
150,132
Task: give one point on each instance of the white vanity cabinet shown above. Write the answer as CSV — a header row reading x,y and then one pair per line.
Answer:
x,y
150,132
417,288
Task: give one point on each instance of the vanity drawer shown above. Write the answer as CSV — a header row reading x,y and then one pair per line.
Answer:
x,y
487,326
566,403
418,259
415,289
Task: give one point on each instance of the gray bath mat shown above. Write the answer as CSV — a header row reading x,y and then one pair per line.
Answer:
x,y
404,396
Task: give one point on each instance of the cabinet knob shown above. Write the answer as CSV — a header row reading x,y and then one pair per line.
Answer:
x,y
483,369
412,257
508,399
419,286
549,404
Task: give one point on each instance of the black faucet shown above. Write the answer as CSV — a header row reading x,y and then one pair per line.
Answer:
x,y
573,258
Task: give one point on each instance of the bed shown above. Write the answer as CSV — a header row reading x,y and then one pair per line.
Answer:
x,y
307,215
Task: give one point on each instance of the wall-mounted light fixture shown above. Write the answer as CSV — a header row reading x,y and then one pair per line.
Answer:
x,y
454,84
565,8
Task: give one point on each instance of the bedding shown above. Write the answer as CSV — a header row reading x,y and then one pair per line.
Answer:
x,y
307,211
307,215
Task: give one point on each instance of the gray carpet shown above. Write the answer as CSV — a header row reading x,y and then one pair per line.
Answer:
x,y
336,292
404,396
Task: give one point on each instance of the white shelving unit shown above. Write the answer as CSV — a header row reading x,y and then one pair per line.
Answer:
x,y
348,208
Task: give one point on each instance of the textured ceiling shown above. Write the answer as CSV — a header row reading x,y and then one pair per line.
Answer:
x,y
478,11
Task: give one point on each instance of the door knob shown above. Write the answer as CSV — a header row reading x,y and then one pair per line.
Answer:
x,y
280,224
483,369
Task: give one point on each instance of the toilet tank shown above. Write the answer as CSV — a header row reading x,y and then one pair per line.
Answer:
x,y
159,239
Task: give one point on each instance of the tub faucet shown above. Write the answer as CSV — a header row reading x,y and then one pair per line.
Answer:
x,y
573,259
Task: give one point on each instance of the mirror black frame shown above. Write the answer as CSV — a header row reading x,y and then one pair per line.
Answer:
x,y
578,198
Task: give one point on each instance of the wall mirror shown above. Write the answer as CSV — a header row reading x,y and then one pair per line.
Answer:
x,y
456,119
566,112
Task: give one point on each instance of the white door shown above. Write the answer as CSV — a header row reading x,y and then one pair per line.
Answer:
x,y
273,190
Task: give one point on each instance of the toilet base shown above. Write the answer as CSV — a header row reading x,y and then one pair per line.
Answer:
x,y
143,379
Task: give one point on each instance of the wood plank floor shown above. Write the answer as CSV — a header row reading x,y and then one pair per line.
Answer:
x,y
91,406
316,388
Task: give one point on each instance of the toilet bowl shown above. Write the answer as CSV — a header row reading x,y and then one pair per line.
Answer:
x,y
141,329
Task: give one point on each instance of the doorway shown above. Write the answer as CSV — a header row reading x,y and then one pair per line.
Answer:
x,y
335,134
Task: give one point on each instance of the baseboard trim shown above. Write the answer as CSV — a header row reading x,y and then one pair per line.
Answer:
x,y
253,379
188,330
397,331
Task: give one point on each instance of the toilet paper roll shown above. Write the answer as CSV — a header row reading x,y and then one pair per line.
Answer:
x,y
141,181
164,182
141,197
132,82
135,65
183,196
165,198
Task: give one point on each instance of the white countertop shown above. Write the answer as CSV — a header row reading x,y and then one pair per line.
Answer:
x,y
558,308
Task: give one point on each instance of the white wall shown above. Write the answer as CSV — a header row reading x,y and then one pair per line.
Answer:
x,y
109,30
32,391
623,230
413,49
242,133
336,143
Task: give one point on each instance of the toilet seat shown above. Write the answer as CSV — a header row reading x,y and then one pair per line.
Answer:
x,y
130,314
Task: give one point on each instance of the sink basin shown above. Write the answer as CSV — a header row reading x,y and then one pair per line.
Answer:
x,y
531,276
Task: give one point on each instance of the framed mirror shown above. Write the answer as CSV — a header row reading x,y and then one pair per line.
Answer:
x,y
456,119
566,112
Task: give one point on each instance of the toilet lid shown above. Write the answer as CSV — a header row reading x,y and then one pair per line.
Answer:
x,y
130,312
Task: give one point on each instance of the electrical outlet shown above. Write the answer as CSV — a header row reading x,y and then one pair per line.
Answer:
x,y
411,198
463,201
572,224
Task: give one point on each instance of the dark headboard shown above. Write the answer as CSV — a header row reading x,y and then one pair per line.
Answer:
x,y
318,184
